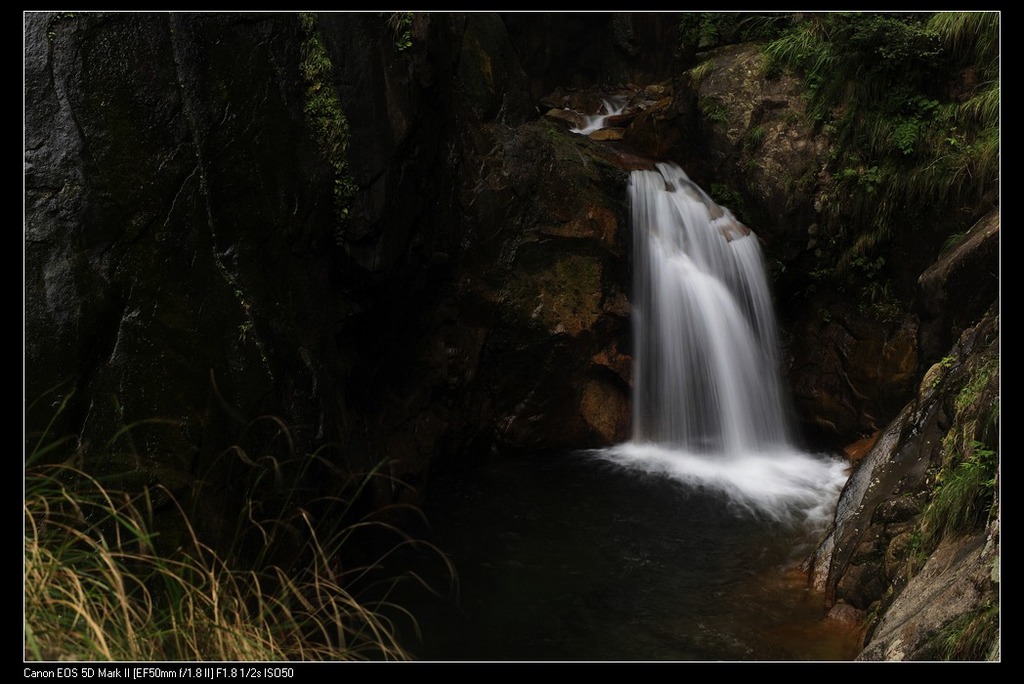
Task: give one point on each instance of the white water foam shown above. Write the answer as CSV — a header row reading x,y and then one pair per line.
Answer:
x,y
788,486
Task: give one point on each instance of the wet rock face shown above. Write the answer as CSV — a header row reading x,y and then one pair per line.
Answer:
x,y
958,288
555,275
877,558
959,577
758,141
182,256
849,375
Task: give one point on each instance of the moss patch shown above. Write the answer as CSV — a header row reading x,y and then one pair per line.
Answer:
x,y
564,297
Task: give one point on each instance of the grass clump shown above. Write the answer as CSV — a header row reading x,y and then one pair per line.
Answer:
x,y
963,498
115,575
971,636
98,588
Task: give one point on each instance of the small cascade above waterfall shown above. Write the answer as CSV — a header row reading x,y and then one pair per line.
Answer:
x,y
595,122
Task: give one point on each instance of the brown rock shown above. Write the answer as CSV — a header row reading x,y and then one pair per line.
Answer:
x,y
607,134
859,449
845,613
618,363
606,410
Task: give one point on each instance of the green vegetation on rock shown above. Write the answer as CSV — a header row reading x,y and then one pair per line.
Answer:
x,y
326,119
970,637
400,24
708,30
966,482
911,103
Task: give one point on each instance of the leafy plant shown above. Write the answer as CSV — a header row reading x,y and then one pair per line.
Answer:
x,y
763,26
400,25
878,302
943,366
703,30
730,198
708,30
714,111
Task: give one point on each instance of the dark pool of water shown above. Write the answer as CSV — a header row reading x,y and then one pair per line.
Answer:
x,y
566,558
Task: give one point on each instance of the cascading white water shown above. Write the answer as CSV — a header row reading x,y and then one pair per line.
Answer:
x,y
596,122
705,360
708,408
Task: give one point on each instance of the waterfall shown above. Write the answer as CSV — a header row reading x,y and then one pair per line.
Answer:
x,y
705,354
708,404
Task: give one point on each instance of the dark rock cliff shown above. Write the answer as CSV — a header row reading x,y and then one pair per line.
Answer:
x,y
189,269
